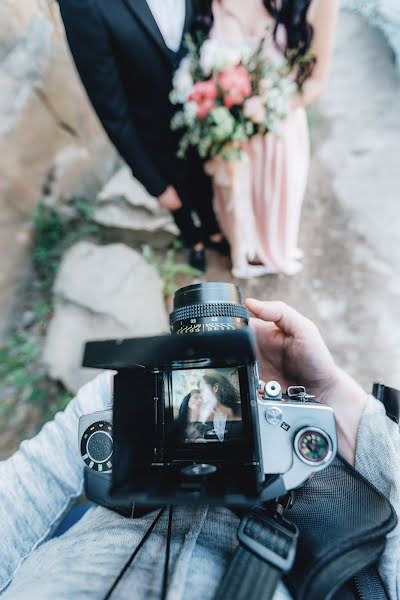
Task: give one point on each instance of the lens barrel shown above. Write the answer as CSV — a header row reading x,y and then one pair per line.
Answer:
x,y
206,307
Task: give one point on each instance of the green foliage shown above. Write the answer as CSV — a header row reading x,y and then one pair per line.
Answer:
x,y
52,236
49,234
169,268
20,370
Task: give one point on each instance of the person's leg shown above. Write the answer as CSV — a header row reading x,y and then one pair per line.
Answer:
x,y
191,235
201,188
201,192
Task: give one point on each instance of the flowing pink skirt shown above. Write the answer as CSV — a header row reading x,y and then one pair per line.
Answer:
x,y
258,199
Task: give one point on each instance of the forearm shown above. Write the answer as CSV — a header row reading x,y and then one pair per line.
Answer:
x,y
348,400
312,89
378,459
41,480
370,441
323,17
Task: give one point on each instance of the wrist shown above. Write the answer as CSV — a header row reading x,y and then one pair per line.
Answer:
x,y
347,398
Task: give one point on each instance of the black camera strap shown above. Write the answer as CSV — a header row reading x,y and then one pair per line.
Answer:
x,y
267,549
390,398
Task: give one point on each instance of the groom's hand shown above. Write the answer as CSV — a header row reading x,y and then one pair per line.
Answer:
x,y
292,352
170,199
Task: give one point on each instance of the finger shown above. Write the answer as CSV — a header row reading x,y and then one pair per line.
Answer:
x,y
285,317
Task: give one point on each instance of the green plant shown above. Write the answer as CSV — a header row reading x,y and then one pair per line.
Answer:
x,y
168,267
52,236
49,233
21,372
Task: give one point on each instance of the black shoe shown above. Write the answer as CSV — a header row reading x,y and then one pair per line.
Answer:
x,y
221,247
197,259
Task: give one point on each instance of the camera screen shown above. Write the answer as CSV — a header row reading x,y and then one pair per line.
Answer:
x,y
206,405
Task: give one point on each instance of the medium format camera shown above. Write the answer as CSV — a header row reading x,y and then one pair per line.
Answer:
x,y
189,421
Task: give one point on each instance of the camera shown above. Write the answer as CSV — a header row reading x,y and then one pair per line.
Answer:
x,y
189,422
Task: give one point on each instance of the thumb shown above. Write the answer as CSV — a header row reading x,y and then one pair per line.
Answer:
x,y
285,317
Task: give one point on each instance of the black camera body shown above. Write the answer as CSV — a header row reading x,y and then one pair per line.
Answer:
x,y
188,422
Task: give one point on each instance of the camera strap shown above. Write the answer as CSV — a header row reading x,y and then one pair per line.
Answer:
x,y
390,398
267,549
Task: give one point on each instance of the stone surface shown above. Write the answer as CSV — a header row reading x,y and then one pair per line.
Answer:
x,y
126,206
101,292
43,109
385,14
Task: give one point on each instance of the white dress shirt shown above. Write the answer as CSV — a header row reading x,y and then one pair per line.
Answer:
x,y
170,18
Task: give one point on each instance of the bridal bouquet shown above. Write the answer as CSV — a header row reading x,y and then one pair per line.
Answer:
x,y
227,95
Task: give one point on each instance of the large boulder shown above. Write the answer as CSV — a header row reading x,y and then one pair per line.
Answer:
x,y
43,110
127,209
100,292
43,107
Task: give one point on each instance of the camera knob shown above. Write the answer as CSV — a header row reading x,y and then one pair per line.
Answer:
x,y
97,446
274,415
272,389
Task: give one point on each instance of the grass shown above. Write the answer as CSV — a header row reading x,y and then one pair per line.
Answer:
x,y
169,268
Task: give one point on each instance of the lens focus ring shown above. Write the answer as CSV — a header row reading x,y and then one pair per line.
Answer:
x,y
217,309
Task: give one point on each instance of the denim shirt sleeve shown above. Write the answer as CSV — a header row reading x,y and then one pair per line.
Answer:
x,y
378,459
42,479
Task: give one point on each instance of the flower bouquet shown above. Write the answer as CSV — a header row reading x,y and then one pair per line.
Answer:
x,y
227,94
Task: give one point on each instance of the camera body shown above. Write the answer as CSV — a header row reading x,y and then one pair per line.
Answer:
x,y
189,423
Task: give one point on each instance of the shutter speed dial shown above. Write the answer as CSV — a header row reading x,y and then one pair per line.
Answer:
x,y
313,446
97,446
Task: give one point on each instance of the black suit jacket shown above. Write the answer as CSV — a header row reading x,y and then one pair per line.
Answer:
x,y
127,70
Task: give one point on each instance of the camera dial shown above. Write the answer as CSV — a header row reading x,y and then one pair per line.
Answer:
x,y
97,446
313,446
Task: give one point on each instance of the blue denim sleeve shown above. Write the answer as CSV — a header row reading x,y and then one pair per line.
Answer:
x,y
42,479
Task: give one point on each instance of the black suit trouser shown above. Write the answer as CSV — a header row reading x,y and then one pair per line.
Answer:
x,y
196,192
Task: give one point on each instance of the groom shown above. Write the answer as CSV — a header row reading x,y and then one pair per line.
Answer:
x,y
126,52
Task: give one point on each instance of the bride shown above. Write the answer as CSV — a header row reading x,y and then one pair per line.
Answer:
x,y
258,198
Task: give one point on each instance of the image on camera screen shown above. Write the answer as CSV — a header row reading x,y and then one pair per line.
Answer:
x,y
207,405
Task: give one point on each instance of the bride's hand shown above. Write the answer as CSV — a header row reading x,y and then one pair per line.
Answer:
x,y
223,171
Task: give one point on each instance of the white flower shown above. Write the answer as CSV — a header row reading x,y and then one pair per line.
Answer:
x,y
214,56
254,109
190,113
265,85
207,56
183,81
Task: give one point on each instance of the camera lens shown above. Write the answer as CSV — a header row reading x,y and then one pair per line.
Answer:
x,y
206,307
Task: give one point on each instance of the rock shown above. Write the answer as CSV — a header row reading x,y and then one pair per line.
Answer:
x,y
28,319
73,175
100,292
126,206
384,14
43,109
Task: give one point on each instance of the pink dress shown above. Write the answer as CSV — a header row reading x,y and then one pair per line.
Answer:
x,y
258,200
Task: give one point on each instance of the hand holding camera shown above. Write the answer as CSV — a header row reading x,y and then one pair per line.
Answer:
x,y
291,349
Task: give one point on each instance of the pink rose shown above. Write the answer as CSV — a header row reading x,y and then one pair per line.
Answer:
x,y
235,85
204,94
